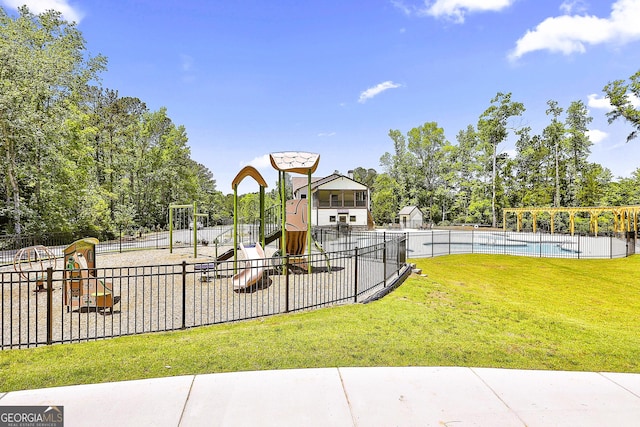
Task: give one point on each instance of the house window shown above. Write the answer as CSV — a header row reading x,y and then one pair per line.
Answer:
x,y
349,199
335,200
332,218
361,199
352,218
324,199
343,218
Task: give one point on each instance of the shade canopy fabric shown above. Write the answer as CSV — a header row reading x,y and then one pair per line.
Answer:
x,y
295,161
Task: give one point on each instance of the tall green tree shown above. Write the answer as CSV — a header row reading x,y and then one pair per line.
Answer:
x,y
44,68
400,166
493,127
365,176
621,95
426,143
385,201
554,136
466,162
532,172
579,147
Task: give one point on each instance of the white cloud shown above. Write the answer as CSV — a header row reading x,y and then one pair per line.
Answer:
x,y
402,7
570,6
69,13
596,135
376,90
260,162
595,101
325,134
567,34
456,9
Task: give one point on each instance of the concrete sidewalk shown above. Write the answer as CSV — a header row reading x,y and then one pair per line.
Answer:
x,y
415,396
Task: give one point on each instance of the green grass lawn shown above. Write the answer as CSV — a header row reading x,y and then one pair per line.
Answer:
x,y
469,310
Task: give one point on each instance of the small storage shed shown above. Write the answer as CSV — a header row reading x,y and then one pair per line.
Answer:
x,y
410,217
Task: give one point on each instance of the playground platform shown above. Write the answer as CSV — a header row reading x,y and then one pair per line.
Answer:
x,y
404,396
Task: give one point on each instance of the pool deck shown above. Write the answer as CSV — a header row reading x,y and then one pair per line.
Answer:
x,y
402,396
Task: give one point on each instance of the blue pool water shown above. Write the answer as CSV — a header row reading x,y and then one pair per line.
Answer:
x,y
530,249
489,244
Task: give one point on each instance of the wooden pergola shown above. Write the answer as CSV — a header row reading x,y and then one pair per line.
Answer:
x,y
625,218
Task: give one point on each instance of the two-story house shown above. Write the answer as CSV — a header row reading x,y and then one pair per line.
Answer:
x,y
337,201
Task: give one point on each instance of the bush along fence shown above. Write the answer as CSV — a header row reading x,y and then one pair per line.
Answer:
x,y
82,305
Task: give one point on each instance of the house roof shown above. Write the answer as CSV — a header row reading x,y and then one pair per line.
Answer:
x,y
300,182
407,210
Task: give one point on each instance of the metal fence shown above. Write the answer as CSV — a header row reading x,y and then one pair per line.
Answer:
x,y
426,244
170,297
346,268
209,236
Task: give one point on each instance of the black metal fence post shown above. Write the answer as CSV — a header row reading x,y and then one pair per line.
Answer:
x,y
540,245
473,236
286,281
355,277
404,245
49,305
504,247
184,294
579,238
384,263
611,246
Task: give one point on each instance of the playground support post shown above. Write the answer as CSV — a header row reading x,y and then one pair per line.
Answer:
x,y
170,229
309,201
195,215
235,228
171,208
262,219
195,230
283,214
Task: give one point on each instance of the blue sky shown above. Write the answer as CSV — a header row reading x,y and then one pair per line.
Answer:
x,y
251,77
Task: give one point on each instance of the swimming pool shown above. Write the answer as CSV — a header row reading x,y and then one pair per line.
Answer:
x,y
430,243
444,242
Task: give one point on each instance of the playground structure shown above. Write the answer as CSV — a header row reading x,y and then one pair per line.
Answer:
x,y
296,228
34,259
255,264
81,288
295,162
186,222
295,232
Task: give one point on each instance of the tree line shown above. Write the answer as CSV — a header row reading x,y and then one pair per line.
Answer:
x,y
471,181
77,158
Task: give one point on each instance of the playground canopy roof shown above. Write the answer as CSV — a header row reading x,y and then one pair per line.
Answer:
x,y
295,161
248,171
